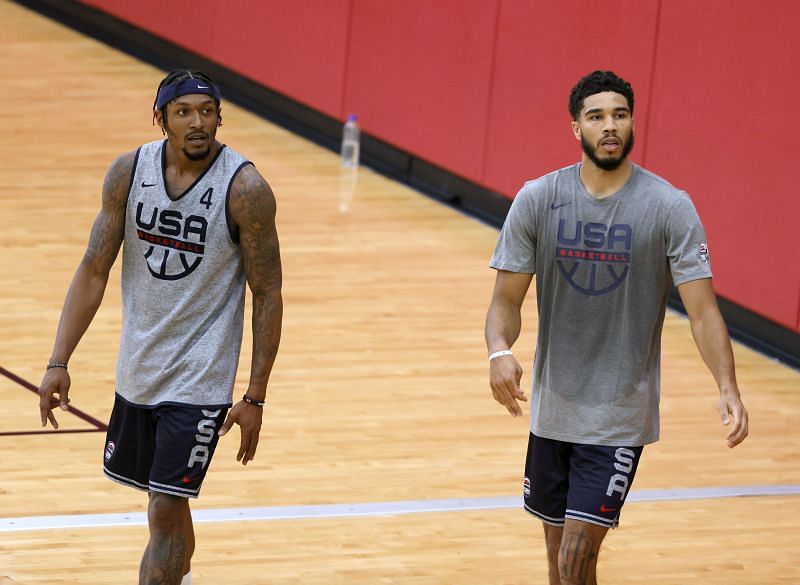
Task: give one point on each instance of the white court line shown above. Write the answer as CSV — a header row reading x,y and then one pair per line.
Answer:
x,y
371,509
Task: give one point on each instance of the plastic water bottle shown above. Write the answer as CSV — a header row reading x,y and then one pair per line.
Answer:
x,y
351,138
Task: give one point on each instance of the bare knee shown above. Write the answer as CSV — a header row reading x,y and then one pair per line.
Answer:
x,y
168,554
166,513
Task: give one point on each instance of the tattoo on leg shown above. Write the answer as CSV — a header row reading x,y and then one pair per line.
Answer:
x,y
143,565
163,561
578,552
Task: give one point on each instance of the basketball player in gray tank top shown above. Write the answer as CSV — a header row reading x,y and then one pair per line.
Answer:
x,y
198,225
605,239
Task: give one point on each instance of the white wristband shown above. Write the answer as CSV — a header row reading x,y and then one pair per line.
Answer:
x,y
502,352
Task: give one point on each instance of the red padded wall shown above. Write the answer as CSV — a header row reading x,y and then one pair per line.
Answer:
x,y
724,127
543,48
480,88
187,23
297,48
418,76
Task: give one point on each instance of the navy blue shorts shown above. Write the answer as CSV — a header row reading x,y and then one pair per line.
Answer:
x,y
161,449
580,482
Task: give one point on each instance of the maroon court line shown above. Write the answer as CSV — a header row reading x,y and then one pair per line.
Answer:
x,y
99,426
49,432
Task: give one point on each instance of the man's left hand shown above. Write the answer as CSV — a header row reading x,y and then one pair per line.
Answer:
x,y
248,417
733,413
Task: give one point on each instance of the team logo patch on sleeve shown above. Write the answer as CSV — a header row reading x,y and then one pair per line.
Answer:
x,y
702,252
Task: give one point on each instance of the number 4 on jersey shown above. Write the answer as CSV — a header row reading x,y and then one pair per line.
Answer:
x,y
206,198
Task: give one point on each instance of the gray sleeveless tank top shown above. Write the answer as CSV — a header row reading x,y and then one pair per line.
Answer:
x,y
183,287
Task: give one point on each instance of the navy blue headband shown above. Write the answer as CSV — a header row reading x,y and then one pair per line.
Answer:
x,y
185,87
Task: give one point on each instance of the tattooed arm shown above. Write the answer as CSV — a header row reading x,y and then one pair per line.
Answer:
x,y
88,285
252,207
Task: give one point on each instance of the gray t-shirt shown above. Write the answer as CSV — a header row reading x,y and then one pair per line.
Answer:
x,y
603,269
183,286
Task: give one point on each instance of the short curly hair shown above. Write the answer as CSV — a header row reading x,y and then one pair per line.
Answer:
x,y
597,82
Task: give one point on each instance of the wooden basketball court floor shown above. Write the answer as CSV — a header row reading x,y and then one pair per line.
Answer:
x,y
383,458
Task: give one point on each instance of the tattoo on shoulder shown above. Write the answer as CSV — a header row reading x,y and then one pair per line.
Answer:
x,y
252,197
109,225
252,206
118,180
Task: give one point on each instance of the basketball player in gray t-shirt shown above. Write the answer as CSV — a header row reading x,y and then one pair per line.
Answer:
x,y
604,238
196,222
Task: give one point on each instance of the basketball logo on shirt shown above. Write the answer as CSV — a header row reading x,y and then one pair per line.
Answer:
x,y
594,257
177,243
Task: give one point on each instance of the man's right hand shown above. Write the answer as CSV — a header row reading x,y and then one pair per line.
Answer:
x,y
53,391
505,374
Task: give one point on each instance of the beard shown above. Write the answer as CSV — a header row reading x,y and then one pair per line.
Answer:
x,y
193,156
202,155
610,163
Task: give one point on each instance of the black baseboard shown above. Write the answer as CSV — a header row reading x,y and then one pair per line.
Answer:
x,y
475,200
754,331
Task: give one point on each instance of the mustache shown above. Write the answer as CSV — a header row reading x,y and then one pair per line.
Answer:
x,y
609,138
